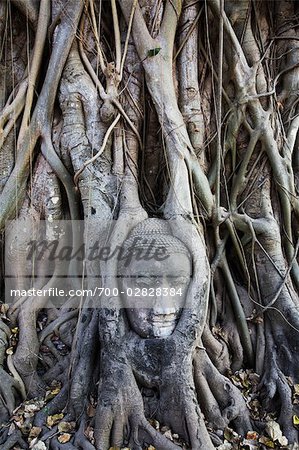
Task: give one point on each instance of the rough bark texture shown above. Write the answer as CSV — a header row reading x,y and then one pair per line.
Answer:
x,y
178,121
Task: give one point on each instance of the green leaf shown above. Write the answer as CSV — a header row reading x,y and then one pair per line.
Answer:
x,y
153,51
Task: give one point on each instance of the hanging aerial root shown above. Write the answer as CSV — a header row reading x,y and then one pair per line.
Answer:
x,y
14,191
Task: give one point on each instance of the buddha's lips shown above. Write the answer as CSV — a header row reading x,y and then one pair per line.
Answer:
x,y
164,319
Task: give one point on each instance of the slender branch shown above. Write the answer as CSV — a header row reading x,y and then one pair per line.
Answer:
x,y
142,38
271,303
91,160
116,35
127,38
40,39
15,108
130,123
62,173
219,105
14,190
91,72
98,42
241,61
100,87
16,105
239,180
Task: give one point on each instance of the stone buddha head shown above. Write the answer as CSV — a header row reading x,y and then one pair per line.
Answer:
x,y
154,280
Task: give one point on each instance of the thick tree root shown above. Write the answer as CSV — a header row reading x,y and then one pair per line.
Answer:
x,y
9,390
221,401
275,384
120,412
80,439
83,362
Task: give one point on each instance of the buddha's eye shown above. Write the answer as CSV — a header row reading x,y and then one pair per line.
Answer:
x,y
143,282
179,281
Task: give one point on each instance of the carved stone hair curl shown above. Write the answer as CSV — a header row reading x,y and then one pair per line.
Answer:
x,y
151,234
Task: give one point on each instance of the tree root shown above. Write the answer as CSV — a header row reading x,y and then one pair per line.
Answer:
x,y
56,445
8,395
159,441
16,376
58,371
221,401
11,386
178,406
57,404
83,359
216,350
274,382
12,440
120,413
26,356
54,326
80,439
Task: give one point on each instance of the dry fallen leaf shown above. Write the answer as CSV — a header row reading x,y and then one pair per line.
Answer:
x,y
89,433
252,435
55,391
168,435
34,432
64,427
91,411
40,445
53,420
4,308
154,423
225,446
65,437
231,436
274,431
267,442
32,407
51,393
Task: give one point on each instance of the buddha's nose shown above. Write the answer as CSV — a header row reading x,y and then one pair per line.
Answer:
x,y
163,306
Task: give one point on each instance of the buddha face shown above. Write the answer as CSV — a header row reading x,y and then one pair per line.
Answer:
x,y
154,312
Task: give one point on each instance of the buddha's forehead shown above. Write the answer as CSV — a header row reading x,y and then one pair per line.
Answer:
x,y
174,265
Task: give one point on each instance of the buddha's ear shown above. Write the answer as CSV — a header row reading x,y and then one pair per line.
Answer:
x,y
194,313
